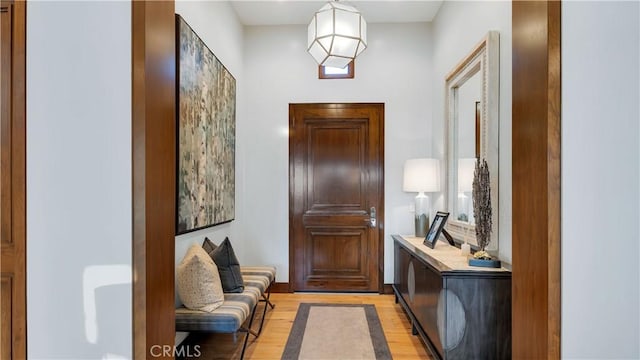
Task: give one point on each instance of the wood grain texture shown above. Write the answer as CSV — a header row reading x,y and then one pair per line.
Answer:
x,y
154,184
536,180
554,167
6,123
13,218
336,176
278,322
6,293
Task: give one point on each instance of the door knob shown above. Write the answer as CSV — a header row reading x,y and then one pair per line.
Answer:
x,y
372,217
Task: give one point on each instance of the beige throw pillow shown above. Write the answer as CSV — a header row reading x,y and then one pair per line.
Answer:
x,y
199,285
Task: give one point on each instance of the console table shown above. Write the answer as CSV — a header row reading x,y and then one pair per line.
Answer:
x,y
459,311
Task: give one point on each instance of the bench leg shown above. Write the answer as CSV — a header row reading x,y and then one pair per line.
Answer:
x,y
267,304
266,298
244,346
248,331
264,314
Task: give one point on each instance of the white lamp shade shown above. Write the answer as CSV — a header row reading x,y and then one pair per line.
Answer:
x,y
421,175
466,167
336,34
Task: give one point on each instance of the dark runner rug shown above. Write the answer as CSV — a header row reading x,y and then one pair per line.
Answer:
x,y
336,331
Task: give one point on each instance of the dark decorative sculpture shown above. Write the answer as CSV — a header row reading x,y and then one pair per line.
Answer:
x,y
482,207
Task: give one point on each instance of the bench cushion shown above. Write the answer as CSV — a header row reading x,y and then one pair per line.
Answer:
x,y
235,309
268,271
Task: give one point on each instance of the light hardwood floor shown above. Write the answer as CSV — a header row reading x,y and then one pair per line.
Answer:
x,y
278,322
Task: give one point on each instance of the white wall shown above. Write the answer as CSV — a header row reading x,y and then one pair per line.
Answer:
x,y
217,25
600,180
457,29
395,70
79,180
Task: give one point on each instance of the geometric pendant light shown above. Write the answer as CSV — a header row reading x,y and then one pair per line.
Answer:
x,y
336,35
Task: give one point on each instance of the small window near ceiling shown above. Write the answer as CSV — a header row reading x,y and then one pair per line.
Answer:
x,y
328,72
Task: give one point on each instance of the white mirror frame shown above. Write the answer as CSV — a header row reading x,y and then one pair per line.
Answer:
x,y
485,59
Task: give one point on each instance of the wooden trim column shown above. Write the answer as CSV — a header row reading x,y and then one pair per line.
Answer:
x,y
153,141
536,180
13,176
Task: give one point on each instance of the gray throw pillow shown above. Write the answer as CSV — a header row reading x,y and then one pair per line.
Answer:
x,y
208,246
228,267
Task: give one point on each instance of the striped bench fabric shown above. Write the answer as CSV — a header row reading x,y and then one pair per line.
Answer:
x,y
235,310
268,271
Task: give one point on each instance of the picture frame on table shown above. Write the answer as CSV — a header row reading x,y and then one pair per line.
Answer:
x,y
436,229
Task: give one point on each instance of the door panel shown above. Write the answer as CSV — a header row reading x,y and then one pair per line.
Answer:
x,y
335,158
6,239
6,292
334,251
336,167
5,130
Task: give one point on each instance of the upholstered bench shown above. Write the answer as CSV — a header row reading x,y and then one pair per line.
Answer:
x,y
263,271
237,309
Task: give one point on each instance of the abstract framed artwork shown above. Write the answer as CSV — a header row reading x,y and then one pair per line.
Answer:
x,y
206,111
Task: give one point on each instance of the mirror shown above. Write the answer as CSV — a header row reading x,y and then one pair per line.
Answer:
x,y
472,100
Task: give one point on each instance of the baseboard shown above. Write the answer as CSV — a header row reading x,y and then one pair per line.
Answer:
x,y
280,287
283,288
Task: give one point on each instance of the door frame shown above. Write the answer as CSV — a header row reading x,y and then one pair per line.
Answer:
x,y
153,140
536,174
140,336
16,171
380,210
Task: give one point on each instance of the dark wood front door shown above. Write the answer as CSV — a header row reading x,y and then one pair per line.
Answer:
x,y
335,186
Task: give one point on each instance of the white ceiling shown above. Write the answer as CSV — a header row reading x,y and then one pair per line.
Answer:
x,y
292,12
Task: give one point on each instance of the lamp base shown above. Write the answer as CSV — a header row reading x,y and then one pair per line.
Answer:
x,y
421,225
421,215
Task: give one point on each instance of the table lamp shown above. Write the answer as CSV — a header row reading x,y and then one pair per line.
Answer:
x,y
421,176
